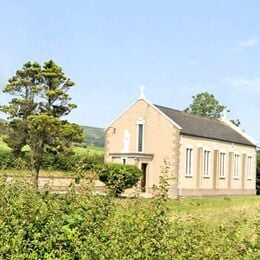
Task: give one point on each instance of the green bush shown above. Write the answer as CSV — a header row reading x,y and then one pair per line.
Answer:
x,y
9,161
43,225
67,162
118,177
58,162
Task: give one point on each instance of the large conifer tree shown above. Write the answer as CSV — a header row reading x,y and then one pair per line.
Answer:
x,y
39,101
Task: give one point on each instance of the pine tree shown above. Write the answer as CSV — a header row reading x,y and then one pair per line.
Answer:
x,y
40,100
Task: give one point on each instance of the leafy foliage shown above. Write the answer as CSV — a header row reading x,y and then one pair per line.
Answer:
x,y
64,162
205,104
236,122
118,177
42,225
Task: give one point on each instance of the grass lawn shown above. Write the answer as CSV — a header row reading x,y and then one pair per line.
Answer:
x,y
191,205
216,209
210,208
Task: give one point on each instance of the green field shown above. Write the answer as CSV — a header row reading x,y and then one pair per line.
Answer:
x,y
212,210
212,204
90,150
8,161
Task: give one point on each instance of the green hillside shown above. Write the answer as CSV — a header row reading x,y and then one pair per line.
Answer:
x,y
95,136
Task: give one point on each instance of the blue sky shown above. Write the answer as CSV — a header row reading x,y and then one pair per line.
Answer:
x,y
176,49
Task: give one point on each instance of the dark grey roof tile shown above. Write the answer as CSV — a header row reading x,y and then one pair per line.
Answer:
x,y
204,127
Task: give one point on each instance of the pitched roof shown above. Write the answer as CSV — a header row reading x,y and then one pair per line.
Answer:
x,y
204,127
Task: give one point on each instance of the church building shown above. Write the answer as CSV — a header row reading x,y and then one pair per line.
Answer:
x,y
206,157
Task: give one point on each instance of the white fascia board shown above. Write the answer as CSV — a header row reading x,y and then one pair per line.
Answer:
x,y
239,130
148,102
165,116
120,115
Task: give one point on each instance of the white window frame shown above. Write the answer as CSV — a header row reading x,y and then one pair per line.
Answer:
x,y
138,123
249,174
206,163
188,161
222,165
236,166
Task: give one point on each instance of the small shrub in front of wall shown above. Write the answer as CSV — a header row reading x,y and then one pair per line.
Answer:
x,y
118,177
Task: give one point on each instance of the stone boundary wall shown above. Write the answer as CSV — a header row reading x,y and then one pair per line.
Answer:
x,y
60,184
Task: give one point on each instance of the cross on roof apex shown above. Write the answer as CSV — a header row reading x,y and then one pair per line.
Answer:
x,y
142,96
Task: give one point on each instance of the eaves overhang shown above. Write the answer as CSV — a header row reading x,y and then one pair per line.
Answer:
x,y
132,155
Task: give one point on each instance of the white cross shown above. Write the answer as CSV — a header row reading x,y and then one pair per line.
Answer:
x,y
142,96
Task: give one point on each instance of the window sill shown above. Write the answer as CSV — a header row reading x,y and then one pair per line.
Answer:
x,y
188,176
206,177
249,179
222,178
236,178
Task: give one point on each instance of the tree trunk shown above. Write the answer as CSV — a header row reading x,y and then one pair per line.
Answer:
x,y
35,176
36,158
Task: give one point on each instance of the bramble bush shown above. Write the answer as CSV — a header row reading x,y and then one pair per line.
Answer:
x,y
79,225
42,225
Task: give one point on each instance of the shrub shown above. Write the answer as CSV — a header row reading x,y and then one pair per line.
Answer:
x,y
78,225
42,225
59,162
10,161
118,177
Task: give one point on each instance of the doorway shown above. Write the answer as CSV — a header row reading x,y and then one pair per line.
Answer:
x,y
143,180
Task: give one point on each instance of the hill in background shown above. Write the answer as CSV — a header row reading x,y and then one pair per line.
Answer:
x,y
95,136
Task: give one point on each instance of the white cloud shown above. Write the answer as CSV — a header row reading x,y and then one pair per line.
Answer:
x,y
245,44
243,84
249,43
